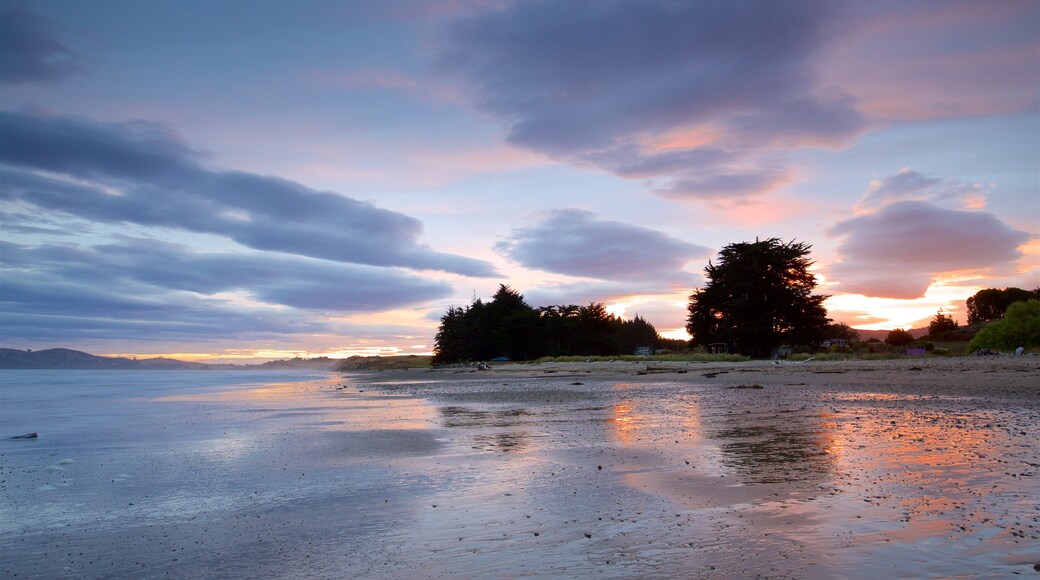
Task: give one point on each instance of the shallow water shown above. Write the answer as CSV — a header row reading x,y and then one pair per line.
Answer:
x,y
311,475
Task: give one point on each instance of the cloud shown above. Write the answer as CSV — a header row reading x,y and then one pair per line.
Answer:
x,y
29,53
581,292
663,314
576,243
150,268
908,184
50,310
606,83
140,173
899,250
927,60
146,290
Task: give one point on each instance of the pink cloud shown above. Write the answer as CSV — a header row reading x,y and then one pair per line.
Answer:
x,y
899,250
926,61
910,185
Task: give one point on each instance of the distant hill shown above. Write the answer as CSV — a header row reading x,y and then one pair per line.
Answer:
x,y
321,363
883,334
63,358
383,363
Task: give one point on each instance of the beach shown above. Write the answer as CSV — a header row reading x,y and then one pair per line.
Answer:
x,y
922,467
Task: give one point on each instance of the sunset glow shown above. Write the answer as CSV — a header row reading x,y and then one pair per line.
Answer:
x,y
335,177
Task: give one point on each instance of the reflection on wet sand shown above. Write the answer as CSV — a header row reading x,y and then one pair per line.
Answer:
x,y
556,478
488,425
774,448
845,476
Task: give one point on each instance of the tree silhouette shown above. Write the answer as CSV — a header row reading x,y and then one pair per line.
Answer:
x,y
508,326
941,324
899,337
758,296
841,330
992,303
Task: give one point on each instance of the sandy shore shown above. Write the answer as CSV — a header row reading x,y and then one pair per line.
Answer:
x,y
951,374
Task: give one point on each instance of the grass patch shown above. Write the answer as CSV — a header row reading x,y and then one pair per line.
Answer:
x,y
384,363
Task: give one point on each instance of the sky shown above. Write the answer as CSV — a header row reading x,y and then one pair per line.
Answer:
x,y
240,180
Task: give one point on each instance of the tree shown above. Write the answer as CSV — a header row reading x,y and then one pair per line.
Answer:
x,y
841,330
899,337
508,326
941,324
991,303
1019,327
512,326
758,296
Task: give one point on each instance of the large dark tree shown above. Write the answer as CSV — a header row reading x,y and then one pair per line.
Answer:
x,y
758,296
991,303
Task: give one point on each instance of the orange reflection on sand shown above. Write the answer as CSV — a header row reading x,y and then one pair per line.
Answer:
x,y
635,420
957,458
624,421
353,411
274,391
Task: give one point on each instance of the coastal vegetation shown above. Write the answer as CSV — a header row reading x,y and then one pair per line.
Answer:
x,y
384,363
1020,327
509,328
758,297
991,304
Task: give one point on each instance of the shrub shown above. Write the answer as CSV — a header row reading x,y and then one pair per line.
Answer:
x,y
899,337
1019,327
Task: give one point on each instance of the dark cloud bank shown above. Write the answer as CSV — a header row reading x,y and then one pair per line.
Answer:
x,y
29,53
310,250
137,173
576,243
593,82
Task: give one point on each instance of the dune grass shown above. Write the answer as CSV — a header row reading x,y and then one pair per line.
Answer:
x,y
384,363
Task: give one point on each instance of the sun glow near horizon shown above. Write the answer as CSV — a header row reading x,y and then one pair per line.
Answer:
x,y
874,313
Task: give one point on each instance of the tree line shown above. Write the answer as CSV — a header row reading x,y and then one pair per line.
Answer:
x,y
509,327
757,296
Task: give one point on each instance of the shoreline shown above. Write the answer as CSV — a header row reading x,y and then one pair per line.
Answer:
x,y
954,374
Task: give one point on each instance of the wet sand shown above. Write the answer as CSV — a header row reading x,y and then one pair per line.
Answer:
x,y
867,469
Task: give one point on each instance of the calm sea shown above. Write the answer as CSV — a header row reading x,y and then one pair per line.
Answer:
x,y
60,402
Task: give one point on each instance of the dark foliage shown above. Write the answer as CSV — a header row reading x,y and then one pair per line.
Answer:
x,y
899,337
507,326
758,296
1019,327
992,303
841,330
941,325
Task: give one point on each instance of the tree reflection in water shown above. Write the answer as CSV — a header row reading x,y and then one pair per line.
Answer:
x,y
482,421
784,447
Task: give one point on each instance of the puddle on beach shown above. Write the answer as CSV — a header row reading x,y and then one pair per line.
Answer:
x,y
539,478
